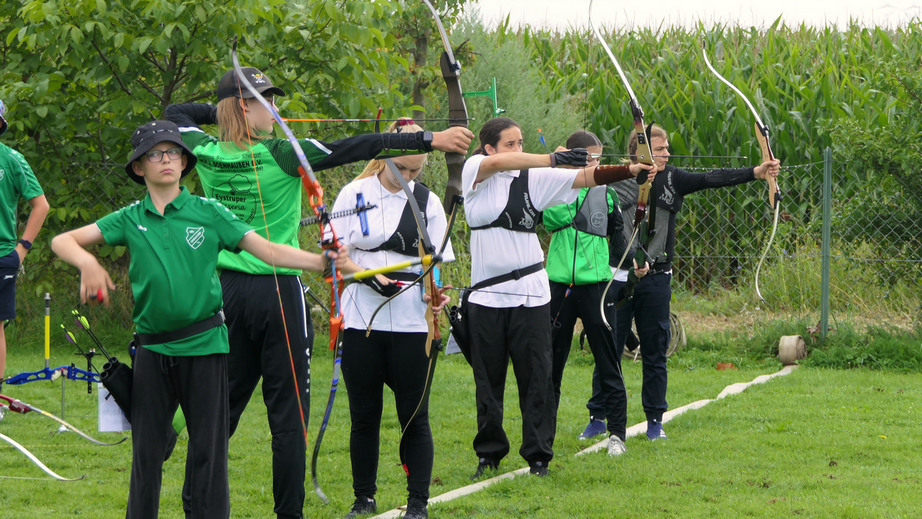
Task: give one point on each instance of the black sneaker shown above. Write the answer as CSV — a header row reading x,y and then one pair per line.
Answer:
x,y
483,466
416,509
538,468
362,506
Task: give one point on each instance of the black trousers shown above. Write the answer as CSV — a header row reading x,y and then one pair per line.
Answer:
x,y
522,335
259,349
398,360
583,303
649,308
199,385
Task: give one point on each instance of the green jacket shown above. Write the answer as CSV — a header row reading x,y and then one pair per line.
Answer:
x,y
577,257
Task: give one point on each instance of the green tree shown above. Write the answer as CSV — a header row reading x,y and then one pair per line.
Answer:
x,y
79,74
891,143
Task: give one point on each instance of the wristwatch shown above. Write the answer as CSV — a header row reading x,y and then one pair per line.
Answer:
x,y
26,244
427,140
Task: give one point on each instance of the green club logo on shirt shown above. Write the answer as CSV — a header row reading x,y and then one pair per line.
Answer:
x,y
195,236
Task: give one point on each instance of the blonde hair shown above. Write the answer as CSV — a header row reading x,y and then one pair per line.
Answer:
x,y
233,124
655,131
376,166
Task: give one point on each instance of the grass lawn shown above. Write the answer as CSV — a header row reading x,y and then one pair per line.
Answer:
x,y
815,443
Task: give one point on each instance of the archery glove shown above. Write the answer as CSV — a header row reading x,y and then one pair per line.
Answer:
x,y
388,290
578,157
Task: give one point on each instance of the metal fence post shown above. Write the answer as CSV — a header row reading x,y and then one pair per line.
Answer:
x,y
827,224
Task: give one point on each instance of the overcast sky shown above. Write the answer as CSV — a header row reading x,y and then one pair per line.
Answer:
x,y
561,14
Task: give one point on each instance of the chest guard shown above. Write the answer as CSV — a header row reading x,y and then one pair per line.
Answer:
x,y
406,235
520,214
592,216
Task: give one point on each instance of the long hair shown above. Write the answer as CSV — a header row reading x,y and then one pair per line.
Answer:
x,y
655,131
490,133
376,166
233,124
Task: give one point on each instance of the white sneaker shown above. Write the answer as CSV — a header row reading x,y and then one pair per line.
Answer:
x,y
615,446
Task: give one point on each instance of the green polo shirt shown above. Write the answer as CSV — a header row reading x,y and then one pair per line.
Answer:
x,y
227,175
16,180
173,273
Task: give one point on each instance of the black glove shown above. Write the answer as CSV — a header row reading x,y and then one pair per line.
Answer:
x,y
385,290
578,157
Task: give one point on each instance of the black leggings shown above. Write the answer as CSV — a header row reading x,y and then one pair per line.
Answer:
x,y
398,360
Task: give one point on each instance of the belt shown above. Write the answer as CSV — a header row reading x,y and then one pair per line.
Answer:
x,y
515,274
182,333
660,269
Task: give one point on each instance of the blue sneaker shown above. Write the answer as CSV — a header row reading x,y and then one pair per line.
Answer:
x,y
655,431
595,428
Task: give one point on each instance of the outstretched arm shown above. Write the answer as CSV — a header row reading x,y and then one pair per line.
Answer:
x,y
602,175
71,247
517,160
289,257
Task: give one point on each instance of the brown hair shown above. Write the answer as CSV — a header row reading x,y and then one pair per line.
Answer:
x,y
655,131
376,166
582,139
233,124
490,133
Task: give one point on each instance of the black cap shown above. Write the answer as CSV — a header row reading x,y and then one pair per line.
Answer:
x,y
152,134
230,86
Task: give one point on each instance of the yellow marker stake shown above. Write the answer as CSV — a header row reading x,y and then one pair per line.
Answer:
x,y
47,330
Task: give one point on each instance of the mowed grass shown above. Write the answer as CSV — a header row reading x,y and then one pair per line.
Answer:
x,y
815,443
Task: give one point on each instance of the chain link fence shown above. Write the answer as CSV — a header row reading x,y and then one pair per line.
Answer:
x,y
874,247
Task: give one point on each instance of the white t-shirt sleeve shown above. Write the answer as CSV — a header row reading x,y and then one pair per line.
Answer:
x,y
552,186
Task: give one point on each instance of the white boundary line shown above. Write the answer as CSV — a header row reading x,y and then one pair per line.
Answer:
x,y
634,430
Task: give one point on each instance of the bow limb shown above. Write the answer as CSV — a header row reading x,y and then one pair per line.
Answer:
x,y
21,407
457,112
34,459
334,384
433,342
762,136
643,155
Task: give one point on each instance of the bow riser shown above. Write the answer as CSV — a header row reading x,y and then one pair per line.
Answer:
x,y
644,153
457,110
774,195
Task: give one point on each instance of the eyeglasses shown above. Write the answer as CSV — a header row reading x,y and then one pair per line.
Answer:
x,y
157,155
